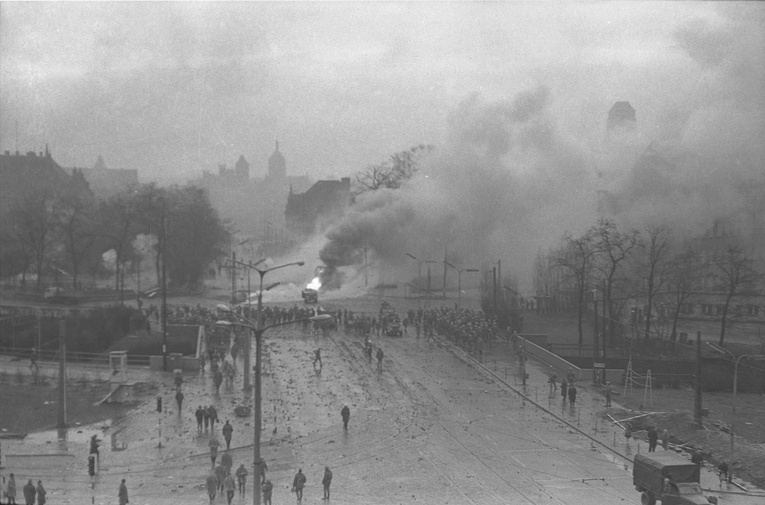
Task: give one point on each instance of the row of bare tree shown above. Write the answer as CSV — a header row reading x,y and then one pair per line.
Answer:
x,y
52,231
652,265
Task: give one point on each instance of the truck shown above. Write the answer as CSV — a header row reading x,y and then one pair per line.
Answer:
x,y
310,296
669,478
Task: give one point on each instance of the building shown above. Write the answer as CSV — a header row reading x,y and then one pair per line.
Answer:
x,y
23,176
255,206
106,182
324,202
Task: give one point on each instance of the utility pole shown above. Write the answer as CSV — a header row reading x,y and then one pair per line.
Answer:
x,y
698,407
164,288
604,331
366,272
444,287
62,374
596,339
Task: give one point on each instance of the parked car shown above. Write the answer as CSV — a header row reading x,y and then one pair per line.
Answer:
x,y
668,477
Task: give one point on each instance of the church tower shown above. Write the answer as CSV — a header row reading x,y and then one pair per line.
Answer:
x,y
277,166
242,169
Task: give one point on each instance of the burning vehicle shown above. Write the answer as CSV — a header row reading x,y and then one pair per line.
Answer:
x,y
311,292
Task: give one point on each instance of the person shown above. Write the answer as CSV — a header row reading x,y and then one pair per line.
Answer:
x,y
33,359
41,492
214,444
724,470
230,486
212,486
263,469
628,431
199,413
29,493
653,438
298,483
572,395
369,350
564,390
10,490
326,481
226,461
206,417
553,384
346,415
178,381
670,487
227,431
267,490
379,359
179,399
220,477
665,439
217,380
122,494
241,478
212,416
317,357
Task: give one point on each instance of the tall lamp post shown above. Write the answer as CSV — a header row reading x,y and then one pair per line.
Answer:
x,y
736,360
247,345
258,330
459,280
419,267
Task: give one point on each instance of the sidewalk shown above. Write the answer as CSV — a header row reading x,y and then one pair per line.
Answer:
x,y
586,416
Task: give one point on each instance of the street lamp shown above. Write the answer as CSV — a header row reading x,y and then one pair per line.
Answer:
x,y
736,360
258,329
459,281
419,268
247,348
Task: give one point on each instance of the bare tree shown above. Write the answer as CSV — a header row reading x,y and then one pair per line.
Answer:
x,y
735,276
577,256
653,267
120,219
35,220
683,281
390,174
78,230
614,248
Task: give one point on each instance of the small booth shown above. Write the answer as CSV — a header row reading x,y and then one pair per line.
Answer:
x,y
120,389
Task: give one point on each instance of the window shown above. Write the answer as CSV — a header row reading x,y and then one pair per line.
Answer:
x,y
706,309
686,308
718,309
753,310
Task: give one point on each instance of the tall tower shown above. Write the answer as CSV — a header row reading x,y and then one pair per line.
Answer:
x,y
242,169
277,166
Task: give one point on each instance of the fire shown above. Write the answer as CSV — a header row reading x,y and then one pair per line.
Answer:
x,y
315,284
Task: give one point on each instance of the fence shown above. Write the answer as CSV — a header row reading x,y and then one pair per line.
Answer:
x,y
91,358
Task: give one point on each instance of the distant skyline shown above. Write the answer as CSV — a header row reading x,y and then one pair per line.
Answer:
x,y
175,88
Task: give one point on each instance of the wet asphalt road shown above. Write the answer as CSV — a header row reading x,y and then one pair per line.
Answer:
x,y
430,428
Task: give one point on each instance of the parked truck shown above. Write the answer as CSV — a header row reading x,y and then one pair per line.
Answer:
x,y
669,478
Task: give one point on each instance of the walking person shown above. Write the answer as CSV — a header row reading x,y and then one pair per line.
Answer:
x,y
33,360
317,358
10,490
564,390
298,483
653,438
227,431
29,493
206,417
553,384
241,478
346,415
380,356
226,461
213,417
217,380
220,477
326,481
572,395
179,400
41,492
178,381
122,494
212,486
214,444
665,439
268,488
199,414
230,487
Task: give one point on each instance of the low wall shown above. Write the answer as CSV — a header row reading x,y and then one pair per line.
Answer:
x,y
559,364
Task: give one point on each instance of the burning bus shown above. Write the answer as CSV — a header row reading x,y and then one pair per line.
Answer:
x,y
311,292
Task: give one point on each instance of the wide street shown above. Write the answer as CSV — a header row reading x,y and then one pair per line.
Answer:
x,y
431,428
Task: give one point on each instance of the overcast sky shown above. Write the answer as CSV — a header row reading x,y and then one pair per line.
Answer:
x,y
174,88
